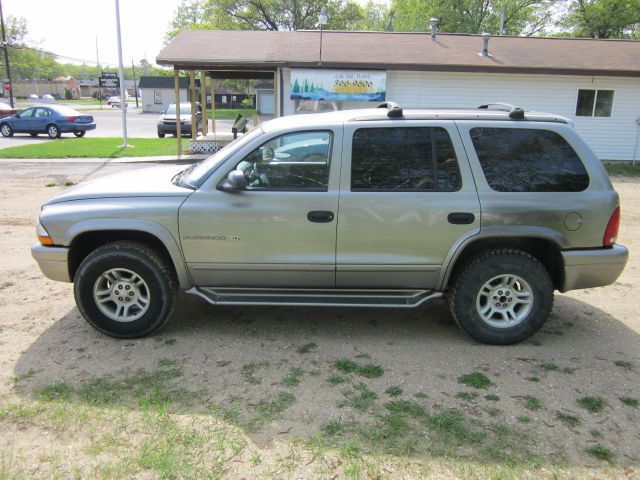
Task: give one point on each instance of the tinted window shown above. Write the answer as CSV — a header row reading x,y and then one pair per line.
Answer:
x,y
295,161
403,158
527,160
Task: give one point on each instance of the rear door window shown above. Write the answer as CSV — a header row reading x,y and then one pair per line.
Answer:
x,y
399,159
528,160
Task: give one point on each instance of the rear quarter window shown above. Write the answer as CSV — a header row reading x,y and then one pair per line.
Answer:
x,y
528,160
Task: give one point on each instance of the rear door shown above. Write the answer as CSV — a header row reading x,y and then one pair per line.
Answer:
x,y
407,199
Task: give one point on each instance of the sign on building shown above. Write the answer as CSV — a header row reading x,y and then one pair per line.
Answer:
x,y
338,85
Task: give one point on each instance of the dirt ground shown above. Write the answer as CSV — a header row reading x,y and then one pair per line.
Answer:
x,y
237,360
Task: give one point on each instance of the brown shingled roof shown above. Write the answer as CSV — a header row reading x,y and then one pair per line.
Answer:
x,y
243,49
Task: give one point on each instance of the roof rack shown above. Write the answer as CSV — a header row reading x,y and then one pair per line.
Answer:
x,y
393,109
515,113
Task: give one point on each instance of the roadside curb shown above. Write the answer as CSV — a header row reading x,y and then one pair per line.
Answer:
x,y
159,159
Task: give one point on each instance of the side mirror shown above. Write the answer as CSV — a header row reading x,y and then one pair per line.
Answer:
x,y
235,182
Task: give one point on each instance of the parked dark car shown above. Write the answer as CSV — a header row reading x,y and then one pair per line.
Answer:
x,y
167,121
54,120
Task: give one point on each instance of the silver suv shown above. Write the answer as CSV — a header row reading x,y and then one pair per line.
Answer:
x,y
493,207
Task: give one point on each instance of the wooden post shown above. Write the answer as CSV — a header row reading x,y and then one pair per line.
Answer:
x,y
213,107
192,89
275,93
203,102
176,80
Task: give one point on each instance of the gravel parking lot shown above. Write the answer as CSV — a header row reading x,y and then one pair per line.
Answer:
x,y
418,400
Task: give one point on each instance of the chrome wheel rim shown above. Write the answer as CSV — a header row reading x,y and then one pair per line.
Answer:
x,y
53,131
504,301
121,295
5,130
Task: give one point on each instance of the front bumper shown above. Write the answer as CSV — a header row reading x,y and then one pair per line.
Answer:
x,y
185,128
53,261
593,267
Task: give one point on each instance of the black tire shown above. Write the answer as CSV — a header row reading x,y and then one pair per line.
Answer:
x,y
79,133
33,134
159,287
6,130
53,131
478,286
160,135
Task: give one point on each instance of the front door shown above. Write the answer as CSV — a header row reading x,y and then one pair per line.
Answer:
x,y
407,198
281,230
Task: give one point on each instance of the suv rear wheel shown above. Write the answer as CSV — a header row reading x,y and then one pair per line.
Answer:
x,y
125,290
502,296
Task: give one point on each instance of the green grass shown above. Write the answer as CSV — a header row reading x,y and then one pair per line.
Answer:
x,y
591,404
420,395
292,379
406,407
249,372
492,397
335,379
623,364
549,367
569,420
368,371
532,403
307,347
630,402
623,169
88,147
596,433
360,398
601,453
270,409
230,113
467,396
475,379
523,419
393,391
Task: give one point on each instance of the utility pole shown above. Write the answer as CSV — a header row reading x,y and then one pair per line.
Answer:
x,y
135,87
99,73
123,90
6,55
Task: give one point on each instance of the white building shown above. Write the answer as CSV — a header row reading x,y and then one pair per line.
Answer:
x,y
594,83
158,93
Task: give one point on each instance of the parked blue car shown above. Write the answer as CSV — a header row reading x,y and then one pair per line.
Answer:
x,y
54,120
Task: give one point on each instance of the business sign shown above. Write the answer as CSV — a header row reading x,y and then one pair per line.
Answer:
x,y
109,80
338,85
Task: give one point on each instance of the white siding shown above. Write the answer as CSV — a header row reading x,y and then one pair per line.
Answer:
x,y
168,97
612,138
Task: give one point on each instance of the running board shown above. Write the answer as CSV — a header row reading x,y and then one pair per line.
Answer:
x,y
315,297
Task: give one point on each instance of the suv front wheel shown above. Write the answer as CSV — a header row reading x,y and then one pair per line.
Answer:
x,y
502,296
125,290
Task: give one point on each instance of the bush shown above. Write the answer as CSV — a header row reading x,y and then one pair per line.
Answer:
x,y
247,102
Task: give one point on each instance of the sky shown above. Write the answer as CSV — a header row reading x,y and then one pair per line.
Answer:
x,y
70,27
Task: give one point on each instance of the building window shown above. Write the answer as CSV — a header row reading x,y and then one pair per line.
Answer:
x,y
157,97
528,160
594,103
401,159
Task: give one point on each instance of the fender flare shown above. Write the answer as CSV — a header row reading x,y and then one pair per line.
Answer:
x,y
135,225
497,232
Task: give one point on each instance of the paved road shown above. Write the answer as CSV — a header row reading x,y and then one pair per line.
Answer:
x,y
109,124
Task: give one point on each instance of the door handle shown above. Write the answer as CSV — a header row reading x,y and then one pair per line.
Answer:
x,y
320,216
461,218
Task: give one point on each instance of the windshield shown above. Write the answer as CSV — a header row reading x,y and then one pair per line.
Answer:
x,y
202,170
184,108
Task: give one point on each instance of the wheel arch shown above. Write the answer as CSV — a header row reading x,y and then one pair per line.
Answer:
x,y
545,248
84,239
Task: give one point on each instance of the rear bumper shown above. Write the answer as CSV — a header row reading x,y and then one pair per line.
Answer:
x,y
53,261
593,267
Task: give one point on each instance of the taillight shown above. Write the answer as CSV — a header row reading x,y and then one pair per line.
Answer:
x,y
71,119
611,232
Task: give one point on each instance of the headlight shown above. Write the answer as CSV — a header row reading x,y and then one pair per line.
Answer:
x,y
43,236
